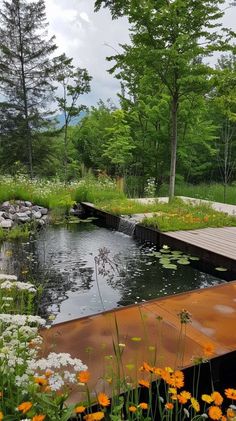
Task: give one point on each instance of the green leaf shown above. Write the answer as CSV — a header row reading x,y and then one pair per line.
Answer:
x,y
221,269
183,262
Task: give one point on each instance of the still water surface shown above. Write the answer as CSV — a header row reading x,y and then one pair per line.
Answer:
x,y
62,260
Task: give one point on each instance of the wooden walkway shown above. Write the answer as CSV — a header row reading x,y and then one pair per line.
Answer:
x,y
149,332
218,244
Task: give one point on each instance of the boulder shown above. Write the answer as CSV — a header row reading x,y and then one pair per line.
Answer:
x,y
28,204
22,217
6,223
36,214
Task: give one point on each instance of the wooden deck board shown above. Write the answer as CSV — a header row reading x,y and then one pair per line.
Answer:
x,y
157,324
221,241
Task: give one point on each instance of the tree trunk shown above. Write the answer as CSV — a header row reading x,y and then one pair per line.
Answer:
x,y
174,135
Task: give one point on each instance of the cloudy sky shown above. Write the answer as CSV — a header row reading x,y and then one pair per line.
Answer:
x,y
89,37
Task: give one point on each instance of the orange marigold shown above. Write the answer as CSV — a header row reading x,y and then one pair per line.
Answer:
x,y
96,416
230,393
158,371
25,407
132,408
39,417
207,398
103,399
146,367
1,415
169,405
208,350
144,383
79,409
177,379
41,381
84,376
230,413
143,405
217,398
215,413
195,404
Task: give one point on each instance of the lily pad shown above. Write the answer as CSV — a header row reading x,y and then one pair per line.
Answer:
x,y
164,251
221,269
170,266
194,258
183,262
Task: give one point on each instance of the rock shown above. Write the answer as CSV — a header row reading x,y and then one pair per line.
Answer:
x,y
28,204
22,217
36,214
6,215
2,219
5,206
12,209
29,213
41,222
24,209
44,211
35,208
5,277
7,223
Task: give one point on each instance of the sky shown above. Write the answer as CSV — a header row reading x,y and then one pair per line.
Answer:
x,y
90,37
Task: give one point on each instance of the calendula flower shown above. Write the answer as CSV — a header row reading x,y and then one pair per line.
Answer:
x,y
1,415
169,406
103,399
208,350
143,405
158,371
39,417
183,397
79,409
231,415
230,393
146,367
41,381
144,383
195,404
177,379
172,390
96,416
132,408
84,376
207,398
217,398
25,407
215,413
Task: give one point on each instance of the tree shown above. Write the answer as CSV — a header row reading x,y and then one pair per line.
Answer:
x,y
74,82
172,37
25,78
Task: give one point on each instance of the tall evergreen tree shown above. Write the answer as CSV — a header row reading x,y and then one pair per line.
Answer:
x,y
25,77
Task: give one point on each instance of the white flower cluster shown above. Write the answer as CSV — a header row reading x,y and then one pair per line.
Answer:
x,y
59,361
56,364
22,286
21,319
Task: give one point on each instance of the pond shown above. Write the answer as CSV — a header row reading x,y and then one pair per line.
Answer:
x,y
62,260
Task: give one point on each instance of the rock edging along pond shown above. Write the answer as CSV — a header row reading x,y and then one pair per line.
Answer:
x,y
17,212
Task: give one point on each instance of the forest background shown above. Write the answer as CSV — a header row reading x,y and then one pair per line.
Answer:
x,y
176,117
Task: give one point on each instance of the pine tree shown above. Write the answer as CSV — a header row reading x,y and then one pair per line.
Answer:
x,y
25,77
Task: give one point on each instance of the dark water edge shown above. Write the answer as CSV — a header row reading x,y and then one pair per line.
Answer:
x,y
61,259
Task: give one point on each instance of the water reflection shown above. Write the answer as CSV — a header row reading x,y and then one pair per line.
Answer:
x,y
61,260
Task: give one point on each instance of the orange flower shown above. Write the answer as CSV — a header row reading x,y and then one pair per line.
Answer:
x,y
215,413
96,416
79,409
1,394
143,405
103,399
231,414
169,405
146,367
208,350
217,398
176,379
132,408
48,373
183,397
223,418
38,417
195,404
230,393
144,383
1,415
25,407
83,376
158,371
207,398
41,381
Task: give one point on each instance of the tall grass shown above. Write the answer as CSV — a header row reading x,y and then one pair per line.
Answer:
x,y
213,192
